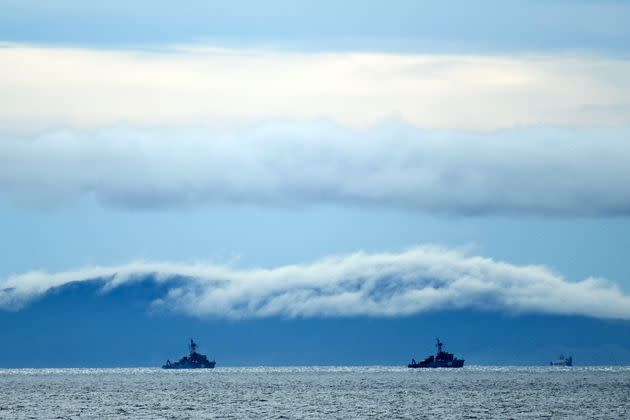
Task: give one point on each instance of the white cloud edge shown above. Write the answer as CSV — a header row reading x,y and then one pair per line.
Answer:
x,y
420,279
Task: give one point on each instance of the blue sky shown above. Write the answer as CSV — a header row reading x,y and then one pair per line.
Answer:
x,y
278,163
506,26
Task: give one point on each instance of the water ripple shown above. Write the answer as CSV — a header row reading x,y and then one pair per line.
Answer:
x,y
475,392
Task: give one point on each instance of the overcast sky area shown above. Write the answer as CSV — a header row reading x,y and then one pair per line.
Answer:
x,y
320,160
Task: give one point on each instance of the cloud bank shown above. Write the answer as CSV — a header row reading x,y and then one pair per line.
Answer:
x,y
424,278
558,171
44,87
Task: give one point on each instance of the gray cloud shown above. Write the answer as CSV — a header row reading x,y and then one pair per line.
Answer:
x,y
558,171
420,279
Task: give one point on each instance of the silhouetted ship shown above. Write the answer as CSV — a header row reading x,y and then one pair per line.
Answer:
x,y
441,359
193,361
562,361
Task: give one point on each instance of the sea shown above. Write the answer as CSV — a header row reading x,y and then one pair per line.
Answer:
x,y
374,392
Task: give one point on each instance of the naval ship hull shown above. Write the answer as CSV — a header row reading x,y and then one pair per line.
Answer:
x,y
176,365
438,364
562,361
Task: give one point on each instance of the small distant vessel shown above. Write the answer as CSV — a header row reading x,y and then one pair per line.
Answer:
x,y
562,361
441,359
193,361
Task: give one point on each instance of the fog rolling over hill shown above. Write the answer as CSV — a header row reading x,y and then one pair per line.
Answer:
x,y
80,326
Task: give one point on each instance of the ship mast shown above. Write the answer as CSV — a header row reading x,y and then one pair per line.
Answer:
x,y
439,346
192,346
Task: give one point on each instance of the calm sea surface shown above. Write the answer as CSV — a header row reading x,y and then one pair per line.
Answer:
x,y
317,392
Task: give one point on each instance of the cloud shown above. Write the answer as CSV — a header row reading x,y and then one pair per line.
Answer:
x,y
558,171
424,278
44,87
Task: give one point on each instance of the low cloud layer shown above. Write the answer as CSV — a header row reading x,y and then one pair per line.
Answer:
x,y
421,279
551,171
44,87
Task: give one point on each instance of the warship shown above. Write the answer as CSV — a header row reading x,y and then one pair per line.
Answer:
x,y
562,361
193,361
441,359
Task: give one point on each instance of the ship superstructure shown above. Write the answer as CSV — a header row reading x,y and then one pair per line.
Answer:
x,y
194,360
441,359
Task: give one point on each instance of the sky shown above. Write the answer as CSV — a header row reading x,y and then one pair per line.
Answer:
x,y
326,175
